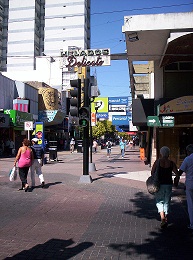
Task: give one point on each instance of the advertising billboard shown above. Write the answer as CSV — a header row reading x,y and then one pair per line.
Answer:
x,y
100,105
120,120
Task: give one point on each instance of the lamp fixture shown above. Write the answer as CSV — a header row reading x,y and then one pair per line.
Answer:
x,y
133,37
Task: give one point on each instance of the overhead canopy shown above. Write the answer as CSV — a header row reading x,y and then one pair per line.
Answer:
x,y
179,49
158,35
141,109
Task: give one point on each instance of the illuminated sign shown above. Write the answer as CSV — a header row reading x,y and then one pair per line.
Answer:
x,y
85,58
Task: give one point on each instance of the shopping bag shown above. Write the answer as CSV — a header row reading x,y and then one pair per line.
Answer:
x,y
13,174
152,183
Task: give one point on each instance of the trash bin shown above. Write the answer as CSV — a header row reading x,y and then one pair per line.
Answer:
x,y
53,154
53,151
79,146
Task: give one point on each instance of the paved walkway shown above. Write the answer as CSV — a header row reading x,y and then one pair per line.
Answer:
x,y
112,218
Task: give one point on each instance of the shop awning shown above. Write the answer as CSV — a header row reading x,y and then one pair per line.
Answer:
x,y
141,109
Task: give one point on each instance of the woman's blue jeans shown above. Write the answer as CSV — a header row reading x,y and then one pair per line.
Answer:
x,y
163,198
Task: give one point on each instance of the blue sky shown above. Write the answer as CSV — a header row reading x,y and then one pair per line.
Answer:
x,y
107,17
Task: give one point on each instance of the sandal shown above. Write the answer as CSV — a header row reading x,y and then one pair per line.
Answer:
x,y
22,188
163,224
26,188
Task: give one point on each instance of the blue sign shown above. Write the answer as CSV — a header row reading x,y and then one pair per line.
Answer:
x,y
120,120
102,115
118,100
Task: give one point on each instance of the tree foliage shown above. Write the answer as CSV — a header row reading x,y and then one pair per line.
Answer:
x,y
123,135
103,128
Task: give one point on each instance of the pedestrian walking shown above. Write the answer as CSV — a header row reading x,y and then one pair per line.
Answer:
x,y
108,146
7,143
11,147
72,144
38,162
187,167
1,147
163,196
94,145
24,158
122,146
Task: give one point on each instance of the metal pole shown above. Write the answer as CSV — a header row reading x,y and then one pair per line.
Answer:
x,y
86,131
91,141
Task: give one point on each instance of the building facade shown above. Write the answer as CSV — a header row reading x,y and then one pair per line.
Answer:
x,y
41,28
168,43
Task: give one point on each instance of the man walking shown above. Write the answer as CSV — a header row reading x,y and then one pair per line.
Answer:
x,y
37,163
108,146
72,144
187,167
122,146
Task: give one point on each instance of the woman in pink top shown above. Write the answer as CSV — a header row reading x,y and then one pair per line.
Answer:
x,y
24,158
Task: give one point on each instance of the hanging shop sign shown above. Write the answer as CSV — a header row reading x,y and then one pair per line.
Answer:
x,y
18,118
85,58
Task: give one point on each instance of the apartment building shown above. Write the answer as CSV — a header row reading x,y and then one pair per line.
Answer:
x,y
41,28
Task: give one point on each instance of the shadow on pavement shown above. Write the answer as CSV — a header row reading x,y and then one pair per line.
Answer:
x,y
53,249
173,242
108,175
47,185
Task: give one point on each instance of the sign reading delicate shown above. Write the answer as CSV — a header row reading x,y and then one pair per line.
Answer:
x,y
85,58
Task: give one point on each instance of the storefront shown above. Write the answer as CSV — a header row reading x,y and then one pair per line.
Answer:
x,y
56,126
179,136
16,129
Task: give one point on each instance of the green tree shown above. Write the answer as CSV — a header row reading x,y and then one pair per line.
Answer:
x,y
103,128
123,135
98,130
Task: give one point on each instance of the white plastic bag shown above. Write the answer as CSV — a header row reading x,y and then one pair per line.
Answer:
x,y
13,174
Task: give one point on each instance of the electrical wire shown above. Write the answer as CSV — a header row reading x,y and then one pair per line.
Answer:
x,y
141,9
129,55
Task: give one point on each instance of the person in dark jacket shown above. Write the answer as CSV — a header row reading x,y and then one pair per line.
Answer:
x,y
37,164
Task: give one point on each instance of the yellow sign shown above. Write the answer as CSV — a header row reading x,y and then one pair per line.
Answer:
x,y
100,105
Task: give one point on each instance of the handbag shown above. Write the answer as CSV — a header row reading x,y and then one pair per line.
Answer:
x,y
152,182
13,174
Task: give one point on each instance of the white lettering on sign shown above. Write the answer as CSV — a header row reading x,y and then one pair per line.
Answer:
x,y
83,62
92,52
120,118
85,58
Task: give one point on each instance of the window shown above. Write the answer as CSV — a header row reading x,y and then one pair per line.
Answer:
x,y
185,66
